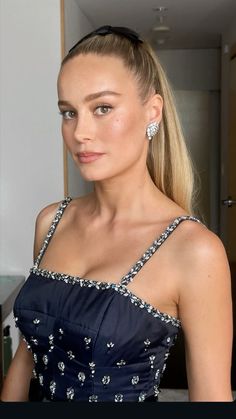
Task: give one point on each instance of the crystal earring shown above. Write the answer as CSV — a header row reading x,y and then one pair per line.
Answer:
x,y
152,129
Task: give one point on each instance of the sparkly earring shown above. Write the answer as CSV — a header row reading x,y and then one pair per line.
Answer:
x,y
152,129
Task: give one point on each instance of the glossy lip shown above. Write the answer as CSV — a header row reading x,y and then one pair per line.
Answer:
x,y
88,156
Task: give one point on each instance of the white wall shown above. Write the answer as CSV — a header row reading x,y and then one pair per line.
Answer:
x,y
76,26
31,159
192,69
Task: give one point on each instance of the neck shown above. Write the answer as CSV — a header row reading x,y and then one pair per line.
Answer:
x,y
123,198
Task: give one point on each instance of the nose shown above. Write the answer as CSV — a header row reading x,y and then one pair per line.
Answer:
x,y
84,129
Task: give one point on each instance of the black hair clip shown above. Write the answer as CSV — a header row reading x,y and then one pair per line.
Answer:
x,y
105,30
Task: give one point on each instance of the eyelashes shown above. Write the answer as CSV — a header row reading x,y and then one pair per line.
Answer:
x,y
67,114
100,110
104,109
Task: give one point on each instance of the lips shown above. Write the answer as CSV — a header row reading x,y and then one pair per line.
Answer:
x,y
89,156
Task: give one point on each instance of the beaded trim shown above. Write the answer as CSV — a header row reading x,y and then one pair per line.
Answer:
x,y
118,287
55,221
154,247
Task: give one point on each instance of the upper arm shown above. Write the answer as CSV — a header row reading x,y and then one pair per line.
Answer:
x,y
42,225
17,381
205,308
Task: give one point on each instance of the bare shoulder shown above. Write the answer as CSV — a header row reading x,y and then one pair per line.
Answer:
x,y
203,267
42,224
199,247
46,215
205,311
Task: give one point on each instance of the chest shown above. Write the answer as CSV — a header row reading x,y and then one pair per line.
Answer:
x,y
84,335
90,320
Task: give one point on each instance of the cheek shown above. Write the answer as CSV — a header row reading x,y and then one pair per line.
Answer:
x,y
66,131
121,127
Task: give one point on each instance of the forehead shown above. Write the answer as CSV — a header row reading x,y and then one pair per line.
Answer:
x,y
92,72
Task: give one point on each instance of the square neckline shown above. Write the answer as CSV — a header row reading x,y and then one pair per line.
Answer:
x,y
135,268
126,279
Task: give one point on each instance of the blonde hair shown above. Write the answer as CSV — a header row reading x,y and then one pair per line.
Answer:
x,y
168,160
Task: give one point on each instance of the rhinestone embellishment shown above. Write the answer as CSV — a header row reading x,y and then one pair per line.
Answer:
x,y
45,359
119,397
152,129
70,392
33,340
106,379
142,396
121,287
81,377
27,343
50,338
163,368
157,374
87,342
110,345
61,332
70,355
135,380
93,398
156,391
147,343
92,368
121,363
41,379
57,217
61,367
152,358
52,387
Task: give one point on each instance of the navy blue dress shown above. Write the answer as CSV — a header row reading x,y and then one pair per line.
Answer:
x,y
94,341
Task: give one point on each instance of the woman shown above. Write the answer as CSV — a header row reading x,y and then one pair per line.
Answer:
x,y
96,326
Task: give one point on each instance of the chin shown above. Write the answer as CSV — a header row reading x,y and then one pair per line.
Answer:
x,y
94,176
100,173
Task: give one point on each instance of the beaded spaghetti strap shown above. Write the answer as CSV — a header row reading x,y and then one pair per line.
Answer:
x,y
126,279
51,230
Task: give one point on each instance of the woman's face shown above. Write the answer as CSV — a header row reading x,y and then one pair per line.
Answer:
x,y
103,118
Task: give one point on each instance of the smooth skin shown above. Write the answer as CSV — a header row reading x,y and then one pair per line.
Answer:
x,y
188,277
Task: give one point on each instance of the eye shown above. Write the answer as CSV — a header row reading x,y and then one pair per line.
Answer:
x,y
67,114
102,109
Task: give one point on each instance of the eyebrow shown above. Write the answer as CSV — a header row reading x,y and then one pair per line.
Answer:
x,y
93,96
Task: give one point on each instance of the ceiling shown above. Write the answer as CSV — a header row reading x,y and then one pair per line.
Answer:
x,y
192,23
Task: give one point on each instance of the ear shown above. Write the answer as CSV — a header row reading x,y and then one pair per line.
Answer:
x,y
154,108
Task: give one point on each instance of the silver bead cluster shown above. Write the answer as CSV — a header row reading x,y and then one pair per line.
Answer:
x,y
81,378
152,129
